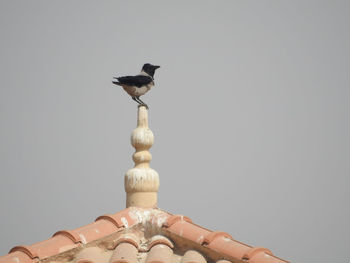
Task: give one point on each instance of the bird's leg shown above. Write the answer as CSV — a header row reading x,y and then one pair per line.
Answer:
x,y
144,104
135,99
140,102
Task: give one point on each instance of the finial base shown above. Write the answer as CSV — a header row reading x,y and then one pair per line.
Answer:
x,y
142,199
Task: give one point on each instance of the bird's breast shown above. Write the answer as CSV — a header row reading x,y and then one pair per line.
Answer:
x,y
137,91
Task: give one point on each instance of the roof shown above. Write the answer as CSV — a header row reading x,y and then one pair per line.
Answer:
x,y
143,236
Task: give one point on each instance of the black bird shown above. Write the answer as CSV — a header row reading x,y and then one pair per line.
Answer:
x,y
138,85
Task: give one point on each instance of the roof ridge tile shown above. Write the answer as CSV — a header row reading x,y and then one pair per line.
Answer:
x,y
254,250
193,256
175,218
221,242
28,250
71,234
215,234
115,220
160,240
127,238
120,219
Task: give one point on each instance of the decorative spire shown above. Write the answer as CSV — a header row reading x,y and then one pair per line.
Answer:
x,y
141,182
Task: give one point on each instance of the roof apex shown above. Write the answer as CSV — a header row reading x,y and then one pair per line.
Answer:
x,y
142,229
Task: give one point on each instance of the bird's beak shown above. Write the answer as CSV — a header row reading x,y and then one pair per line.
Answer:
x,y
156,67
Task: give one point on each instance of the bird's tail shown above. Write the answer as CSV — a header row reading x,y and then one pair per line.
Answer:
x,y
115,81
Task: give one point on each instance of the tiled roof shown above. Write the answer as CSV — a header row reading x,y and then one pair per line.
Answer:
x,y
140,235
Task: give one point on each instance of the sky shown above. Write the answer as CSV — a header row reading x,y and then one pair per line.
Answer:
x,y
250,114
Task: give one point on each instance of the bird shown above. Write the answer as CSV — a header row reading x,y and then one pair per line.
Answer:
x,y
138,85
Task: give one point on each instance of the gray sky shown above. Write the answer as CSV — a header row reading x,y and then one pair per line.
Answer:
x,y
250,114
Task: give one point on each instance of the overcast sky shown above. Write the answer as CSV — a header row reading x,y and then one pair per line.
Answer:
x,y
250,115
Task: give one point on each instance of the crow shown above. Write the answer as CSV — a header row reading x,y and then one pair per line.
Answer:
x,y
138,85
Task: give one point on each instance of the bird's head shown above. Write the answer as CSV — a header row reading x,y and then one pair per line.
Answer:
x,y
149,69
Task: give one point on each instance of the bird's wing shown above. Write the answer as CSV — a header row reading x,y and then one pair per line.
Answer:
x,y
138,81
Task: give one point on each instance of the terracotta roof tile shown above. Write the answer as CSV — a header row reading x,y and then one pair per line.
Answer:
x,y
71,234
229,247
214,235
91,255
47,248
255,250
15,257
192,256
128,238
222,261
143,236
175,218
159,254
124,253
263,257
120,219
95,231
188,230
29,251
160,240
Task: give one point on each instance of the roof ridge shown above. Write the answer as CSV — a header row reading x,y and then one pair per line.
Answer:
x,y
219,241
65,240
174,226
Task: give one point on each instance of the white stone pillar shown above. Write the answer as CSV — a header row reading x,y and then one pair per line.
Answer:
x,y
141,182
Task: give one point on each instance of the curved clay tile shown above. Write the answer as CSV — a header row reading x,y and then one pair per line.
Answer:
x,y
54,246
223,261
192,256
44,249
175,218
90,255
124,253
127,238
220,242
71,234
229,247
121,219
159,239
189,231
16,257
95,231
26,250
213,235
114,220
263,257
159,254
255,250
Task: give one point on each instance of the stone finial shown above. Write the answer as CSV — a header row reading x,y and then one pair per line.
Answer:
x,y
141,182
